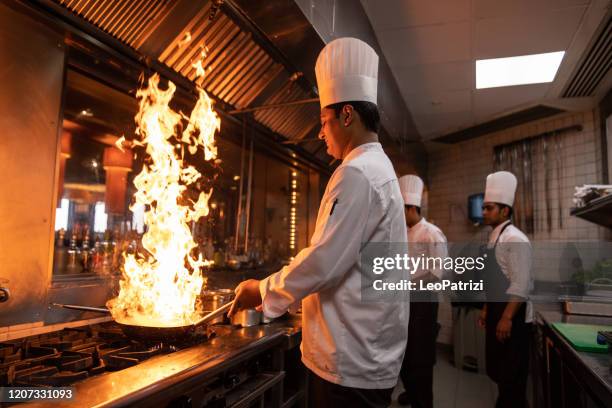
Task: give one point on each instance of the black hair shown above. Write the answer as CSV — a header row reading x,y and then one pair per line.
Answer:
x,y
418,209
510,210
368,112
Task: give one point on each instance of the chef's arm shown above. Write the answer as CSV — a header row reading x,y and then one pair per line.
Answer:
x,y
436,249
519,268
519,264
323,264
439,250
513,305
482,319
503,330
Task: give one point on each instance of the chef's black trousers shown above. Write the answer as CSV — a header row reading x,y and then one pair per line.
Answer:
x,y
508,361
325,394
512,390
420,356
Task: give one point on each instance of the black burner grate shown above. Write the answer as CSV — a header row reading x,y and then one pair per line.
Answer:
x,y
70,355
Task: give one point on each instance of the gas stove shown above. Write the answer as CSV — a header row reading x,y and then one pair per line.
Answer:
x,y
222,367
65,357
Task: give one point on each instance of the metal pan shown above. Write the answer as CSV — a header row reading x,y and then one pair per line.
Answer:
x,y
156,333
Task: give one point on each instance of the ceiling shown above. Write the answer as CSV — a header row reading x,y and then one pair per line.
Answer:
x,y
432,46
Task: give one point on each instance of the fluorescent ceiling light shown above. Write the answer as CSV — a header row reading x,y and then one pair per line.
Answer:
x,y
526,69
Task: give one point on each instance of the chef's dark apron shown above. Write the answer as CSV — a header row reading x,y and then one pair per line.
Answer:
x,y
507,362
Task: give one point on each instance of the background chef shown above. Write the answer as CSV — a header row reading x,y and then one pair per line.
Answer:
x,y
507,314
425,239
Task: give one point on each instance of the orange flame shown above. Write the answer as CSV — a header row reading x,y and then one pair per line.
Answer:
x,y
160,288
199,64
186,39
200,71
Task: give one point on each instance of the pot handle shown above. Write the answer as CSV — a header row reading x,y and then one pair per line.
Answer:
x,y
83,308
214,314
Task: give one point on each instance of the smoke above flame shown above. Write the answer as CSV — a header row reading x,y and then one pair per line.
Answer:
x,y
159,286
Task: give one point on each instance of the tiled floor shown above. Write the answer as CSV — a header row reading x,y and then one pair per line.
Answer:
x,y
455,388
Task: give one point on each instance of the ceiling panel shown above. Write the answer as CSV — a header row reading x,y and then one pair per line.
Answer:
x,y
441,102
436,123
424,45
432,47
489,102
423,79
507,8
526,34
409,13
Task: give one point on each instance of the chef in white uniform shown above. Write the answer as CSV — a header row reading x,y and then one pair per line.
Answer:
x,y
507,314
425,239
352,349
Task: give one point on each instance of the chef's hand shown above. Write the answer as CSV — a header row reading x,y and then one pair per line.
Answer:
x,y
482,319
504,328
247,295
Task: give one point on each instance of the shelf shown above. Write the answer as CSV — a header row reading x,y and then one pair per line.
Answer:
x,y
598,211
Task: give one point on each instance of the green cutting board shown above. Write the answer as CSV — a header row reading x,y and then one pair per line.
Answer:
x,y
583,337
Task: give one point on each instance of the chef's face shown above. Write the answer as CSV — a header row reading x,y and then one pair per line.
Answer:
x,y
412,215
494,214
334,132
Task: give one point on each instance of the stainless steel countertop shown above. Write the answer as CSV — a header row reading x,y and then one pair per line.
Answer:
x,y
597,365
163,371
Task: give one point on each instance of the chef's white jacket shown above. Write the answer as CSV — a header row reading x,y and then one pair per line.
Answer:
x,y
427,240
514,256
344,340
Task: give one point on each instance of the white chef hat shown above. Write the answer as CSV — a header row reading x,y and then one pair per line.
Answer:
x,y
501,187
412,189
347,70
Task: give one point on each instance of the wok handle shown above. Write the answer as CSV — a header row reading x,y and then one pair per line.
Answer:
x,y
214,314
83,308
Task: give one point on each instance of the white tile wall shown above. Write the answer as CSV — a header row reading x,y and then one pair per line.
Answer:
x,y
458,170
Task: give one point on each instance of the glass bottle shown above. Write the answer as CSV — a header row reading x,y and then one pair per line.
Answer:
x,y
74,256
60,254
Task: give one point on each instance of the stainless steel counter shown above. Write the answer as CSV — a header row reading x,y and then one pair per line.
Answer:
x,y
593,370
157,376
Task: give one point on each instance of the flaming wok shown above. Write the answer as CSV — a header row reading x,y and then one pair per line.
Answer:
x,y
155,333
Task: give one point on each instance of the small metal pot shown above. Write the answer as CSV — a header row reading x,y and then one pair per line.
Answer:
x,y
214,299
247,318
226,293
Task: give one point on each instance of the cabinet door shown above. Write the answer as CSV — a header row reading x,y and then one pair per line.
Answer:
x,y
554,369
575,395
539,368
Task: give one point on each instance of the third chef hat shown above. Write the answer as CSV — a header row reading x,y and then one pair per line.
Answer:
x,y
412,189
501,187
347,70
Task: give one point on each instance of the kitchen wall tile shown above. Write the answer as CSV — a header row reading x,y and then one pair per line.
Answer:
x,y
455,171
